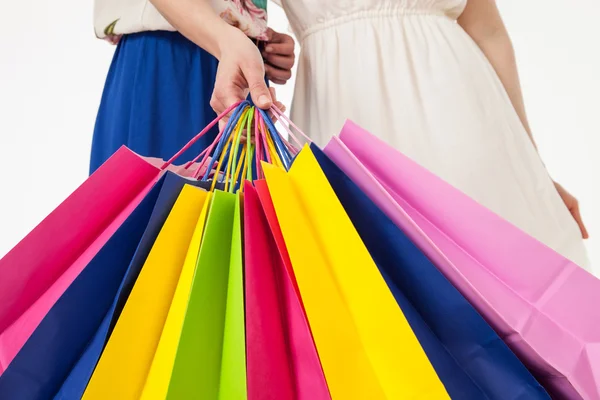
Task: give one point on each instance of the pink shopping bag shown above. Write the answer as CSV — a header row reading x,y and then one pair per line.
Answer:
x,y
37,271
282,361
543,305
40,268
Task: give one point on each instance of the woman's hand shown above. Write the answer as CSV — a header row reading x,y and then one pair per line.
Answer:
x,y
573,207
241,71
279,57
278,104
241,68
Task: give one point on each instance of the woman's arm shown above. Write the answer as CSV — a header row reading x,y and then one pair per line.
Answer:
x,y
241,68
481,20
197,21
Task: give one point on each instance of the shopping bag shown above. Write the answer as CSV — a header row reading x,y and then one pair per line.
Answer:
x,y
267,205
37,271
40,268
21,328
159,376
366,347
74,385
469,357
282,361
40,367
210,361
233,365
124,364
541,304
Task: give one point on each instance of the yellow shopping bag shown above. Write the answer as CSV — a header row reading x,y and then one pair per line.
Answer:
x,y
210,361
126,360
366,346
157,383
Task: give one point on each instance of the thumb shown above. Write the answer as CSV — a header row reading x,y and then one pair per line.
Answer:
x,y
274,37
259,91
270,33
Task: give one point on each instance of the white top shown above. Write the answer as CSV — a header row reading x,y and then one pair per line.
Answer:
x,y
113,18
407,72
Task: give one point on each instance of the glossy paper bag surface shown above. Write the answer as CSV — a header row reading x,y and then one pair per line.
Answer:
x,y
211,347
39,369
75,384
531,295
125,362
157,382
282,359
233,365
366,346
471,360
38,270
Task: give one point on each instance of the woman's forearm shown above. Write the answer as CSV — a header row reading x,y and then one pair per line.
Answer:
x,y
197,21
499,51
482,21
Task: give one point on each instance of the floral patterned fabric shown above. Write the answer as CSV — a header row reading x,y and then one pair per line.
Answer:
x,y
113,18
248,15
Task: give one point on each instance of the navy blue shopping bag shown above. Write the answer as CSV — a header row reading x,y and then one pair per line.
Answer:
x,y
63,351
468,356
75,384
40,367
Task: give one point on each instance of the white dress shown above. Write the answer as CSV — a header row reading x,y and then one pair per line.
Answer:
x,y
407,72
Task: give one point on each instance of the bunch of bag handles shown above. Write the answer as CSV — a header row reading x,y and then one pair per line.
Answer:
x,y
229,159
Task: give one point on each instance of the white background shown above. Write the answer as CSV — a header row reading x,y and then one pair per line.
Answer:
x,y
52,70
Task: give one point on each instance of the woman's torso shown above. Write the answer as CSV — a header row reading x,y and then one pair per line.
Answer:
x,y
391,52
308,16
406,71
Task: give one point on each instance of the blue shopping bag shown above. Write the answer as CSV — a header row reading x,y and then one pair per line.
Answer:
x,y
469,357
62,353
40,367
75,384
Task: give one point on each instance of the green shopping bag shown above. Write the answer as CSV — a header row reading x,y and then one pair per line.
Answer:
x,y
211,361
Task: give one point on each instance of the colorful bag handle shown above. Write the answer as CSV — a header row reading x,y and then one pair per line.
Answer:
x,y
234,159
200,135
227,152
281,117
234,120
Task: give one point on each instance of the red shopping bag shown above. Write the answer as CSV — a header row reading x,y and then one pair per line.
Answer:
x,y
282,361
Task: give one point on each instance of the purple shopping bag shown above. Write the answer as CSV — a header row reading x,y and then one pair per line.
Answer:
x,y
541,304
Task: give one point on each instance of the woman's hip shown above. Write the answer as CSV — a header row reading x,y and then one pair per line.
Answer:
x,y
156,96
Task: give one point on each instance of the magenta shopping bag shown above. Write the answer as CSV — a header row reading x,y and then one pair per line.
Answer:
x,y
40,268
37,271
282,361
541,304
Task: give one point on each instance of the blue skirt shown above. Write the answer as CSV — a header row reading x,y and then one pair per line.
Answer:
x,y
156,98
